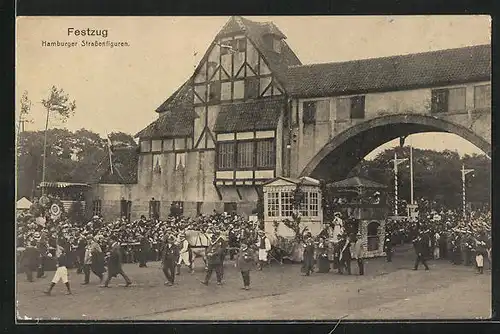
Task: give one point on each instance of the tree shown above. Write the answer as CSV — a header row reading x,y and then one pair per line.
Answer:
x,y
57,104
79,156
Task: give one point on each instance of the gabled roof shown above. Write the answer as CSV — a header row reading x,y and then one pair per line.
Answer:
x,y
278,62
356,182
305,180
125,164
425,69
172,123
182,98
247,116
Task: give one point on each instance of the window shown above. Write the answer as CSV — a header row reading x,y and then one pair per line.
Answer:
x,y
245,154
482,97
286,204
225,47
358,107
145,146
304,207
96,207
154,209
265,153
156,146
277,43
313,204
180,144
239,45
198,208
251,88
168,145
156,163
177,209
225,156
309,112
230,207
180,161
439,101
226,91
214,92
273,204
125,208
456,99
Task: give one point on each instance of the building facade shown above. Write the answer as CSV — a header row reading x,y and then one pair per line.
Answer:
x,y
252,112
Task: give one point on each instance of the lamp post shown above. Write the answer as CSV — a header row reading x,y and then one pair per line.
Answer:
x,y
464,172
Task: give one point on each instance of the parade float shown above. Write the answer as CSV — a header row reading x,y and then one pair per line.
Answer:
x,y
361,204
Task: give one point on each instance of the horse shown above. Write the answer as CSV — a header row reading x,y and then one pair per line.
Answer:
x,y
198,242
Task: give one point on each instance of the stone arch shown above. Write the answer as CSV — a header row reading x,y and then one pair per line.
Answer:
x,y
351,145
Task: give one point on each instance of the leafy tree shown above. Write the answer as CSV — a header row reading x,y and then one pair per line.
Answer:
x,y
78,156
58,105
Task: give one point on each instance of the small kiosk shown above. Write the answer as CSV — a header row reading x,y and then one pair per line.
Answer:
x,y
279,196
364,209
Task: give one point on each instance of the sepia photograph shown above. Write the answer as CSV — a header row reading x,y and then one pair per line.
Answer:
x,y
253,168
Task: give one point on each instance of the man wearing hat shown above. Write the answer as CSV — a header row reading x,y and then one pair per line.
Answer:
x,y
357,253
264,246
184,254
420,250
29,260
115,264
93,260
244,263
170,257
214,255
345,255
61,273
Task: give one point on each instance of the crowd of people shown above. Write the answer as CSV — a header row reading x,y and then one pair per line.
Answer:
x,y
95,245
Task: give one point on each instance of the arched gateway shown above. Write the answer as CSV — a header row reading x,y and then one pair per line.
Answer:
x,y
341,154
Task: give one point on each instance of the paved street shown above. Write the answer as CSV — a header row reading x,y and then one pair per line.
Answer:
x,y
388,291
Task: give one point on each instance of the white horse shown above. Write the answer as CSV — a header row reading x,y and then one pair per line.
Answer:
x,y
198,242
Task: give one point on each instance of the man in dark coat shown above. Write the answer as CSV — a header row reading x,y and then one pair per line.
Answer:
x,y
214,255
143,251
80,254
233,242
43,249
307,267
29,260
420,251
245,263
169,260
115,264
345,256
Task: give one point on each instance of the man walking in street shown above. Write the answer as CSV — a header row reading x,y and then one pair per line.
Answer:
x,y
115,264
420,251
169,260
358,253
214,253
29,260
388,246
61,272
92,260
184,254
345,255
264,246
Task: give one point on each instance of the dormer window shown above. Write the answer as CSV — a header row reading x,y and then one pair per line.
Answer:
x,y
273,42
277,43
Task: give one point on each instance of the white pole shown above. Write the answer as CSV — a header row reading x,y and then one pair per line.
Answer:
x,y
395,183
463,190
411,175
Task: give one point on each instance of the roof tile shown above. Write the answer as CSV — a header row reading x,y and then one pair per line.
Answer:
x,y
391,73
247,116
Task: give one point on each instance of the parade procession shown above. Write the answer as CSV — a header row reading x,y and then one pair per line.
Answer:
x,y
228,178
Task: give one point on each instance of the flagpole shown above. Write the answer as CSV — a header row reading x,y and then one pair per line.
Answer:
x,y
411,175
464,203
395,183
109,153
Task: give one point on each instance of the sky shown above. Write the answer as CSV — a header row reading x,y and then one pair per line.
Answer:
x,y
118,89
